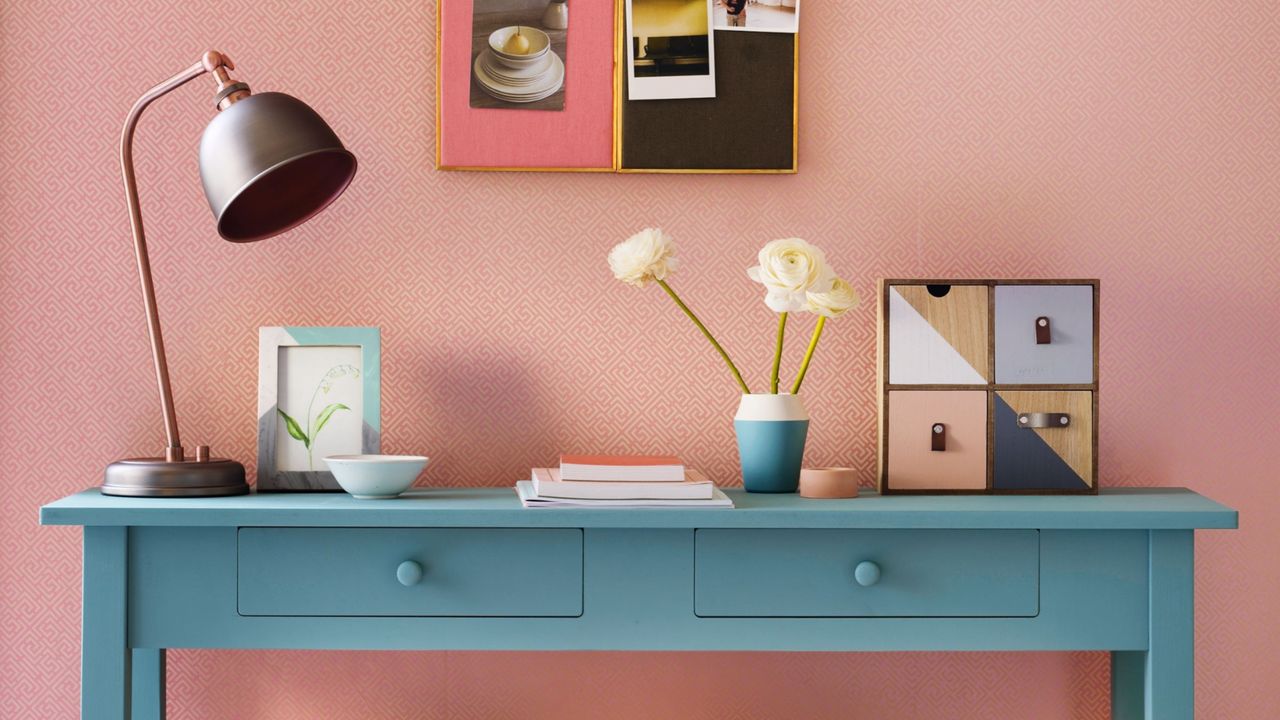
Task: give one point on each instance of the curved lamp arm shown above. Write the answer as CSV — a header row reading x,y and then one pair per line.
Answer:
x,y
211,62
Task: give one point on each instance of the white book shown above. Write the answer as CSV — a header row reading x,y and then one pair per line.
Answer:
x,y
547,482
530,499
622,468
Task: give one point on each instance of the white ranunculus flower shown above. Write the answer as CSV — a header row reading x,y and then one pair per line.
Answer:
x,y
833,303
643,257
788,269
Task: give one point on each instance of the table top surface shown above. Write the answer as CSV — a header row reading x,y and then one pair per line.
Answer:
x,y
1112,509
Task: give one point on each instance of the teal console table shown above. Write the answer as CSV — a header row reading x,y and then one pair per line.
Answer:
x,y
470,569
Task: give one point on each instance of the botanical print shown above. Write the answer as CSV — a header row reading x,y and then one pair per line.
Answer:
x,y
315,423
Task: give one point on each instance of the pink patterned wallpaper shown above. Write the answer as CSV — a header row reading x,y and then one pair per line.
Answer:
x,y
1135,141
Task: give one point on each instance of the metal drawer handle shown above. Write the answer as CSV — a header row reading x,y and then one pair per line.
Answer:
x,y
409,573
1044,420
1044,332
866,573
938,435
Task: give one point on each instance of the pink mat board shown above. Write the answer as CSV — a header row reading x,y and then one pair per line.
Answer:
x,y
579,137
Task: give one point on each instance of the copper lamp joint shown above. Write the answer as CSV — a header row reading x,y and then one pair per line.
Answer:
x,y
230,90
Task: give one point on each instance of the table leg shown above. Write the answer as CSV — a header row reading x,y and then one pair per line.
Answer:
x,y
1159,683
104,649
148,684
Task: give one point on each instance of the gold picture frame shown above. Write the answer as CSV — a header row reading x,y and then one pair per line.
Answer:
x,y
618,78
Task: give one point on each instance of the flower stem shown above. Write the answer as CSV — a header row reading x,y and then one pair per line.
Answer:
x,y
707,333
777,353
808,355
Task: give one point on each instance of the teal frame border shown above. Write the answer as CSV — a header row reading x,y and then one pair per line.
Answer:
x,y
370,341
270,339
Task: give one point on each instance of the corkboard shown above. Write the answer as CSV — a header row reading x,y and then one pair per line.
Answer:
x,y
750,126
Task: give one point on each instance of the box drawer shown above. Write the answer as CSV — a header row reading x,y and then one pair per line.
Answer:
x,y
938,334
409,572
1043,441
1044,334
815,573
937,440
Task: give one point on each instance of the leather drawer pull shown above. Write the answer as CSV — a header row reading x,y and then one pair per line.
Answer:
x,y
1044,420
938,433
1044,333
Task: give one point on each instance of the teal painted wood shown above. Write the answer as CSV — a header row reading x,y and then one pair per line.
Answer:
x,y
921,573
1128,691
104,650
162,573
1113,509
1159,683
149,666
1170,663
355,572
638,595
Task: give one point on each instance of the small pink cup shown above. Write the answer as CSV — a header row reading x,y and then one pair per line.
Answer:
x,y
828,483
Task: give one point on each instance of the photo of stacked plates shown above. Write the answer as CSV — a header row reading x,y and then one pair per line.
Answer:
x,y
518,65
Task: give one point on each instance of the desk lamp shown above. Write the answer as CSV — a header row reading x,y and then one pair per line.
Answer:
x,y
268,163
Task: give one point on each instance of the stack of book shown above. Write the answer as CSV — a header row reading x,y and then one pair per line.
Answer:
x,y
620,481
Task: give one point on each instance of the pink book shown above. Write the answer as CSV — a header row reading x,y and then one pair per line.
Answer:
x,y
622,468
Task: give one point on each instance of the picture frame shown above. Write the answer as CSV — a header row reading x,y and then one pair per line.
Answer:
x,y
601,130
319,393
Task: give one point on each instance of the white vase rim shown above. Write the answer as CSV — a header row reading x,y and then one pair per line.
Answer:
x,y
771,406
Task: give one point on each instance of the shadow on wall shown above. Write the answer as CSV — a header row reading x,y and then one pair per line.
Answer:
x,y
477,393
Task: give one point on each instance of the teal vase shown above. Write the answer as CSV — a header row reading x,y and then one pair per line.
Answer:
x,y
771,430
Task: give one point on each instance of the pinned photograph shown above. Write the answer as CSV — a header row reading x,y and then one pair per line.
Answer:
x,y
671,53
780,16
518,54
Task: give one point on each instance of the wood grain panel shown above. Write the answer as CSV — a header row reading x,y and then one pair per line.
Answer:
x,y
961,317
1074,444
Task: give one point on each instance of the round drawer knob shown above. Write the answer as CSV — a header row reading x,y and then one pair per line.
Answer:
x,y
409,573
867,573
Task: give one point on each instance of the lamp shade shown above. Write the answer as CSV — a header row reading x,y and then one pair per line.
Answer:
x,y
269,162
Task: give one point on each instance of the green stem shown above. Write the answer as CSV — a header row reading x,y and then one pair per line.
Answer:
x,y
707,333
311,441
808,355
777,353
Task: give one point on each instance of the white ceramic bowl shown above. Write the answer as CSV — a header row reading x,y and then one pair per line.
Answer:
x,y
372,477
539,45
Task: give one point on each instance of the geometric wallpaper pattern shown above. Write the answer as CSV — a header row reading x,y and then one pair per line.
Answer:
x,y
1137,142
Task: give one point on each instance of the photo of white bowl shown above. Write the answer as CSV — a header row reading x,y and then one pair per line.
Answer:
x,y
376,477
538,43
517,63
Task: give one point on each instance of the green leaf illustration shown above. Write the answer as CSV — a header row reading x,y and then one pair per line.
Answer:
x,y
295,430
327,413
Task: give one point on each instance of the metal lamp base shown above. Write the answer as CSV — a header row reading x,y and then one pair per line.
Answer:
x,y
157,477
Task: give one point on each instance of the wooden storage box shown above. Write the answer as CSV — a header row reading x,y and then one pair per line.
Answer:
x,y
988,386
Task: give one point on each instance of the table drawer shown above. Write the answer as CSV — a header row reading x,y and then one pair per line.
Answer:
x,y
409,572
937,440
1044,334
938,334
1043,440
821,573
